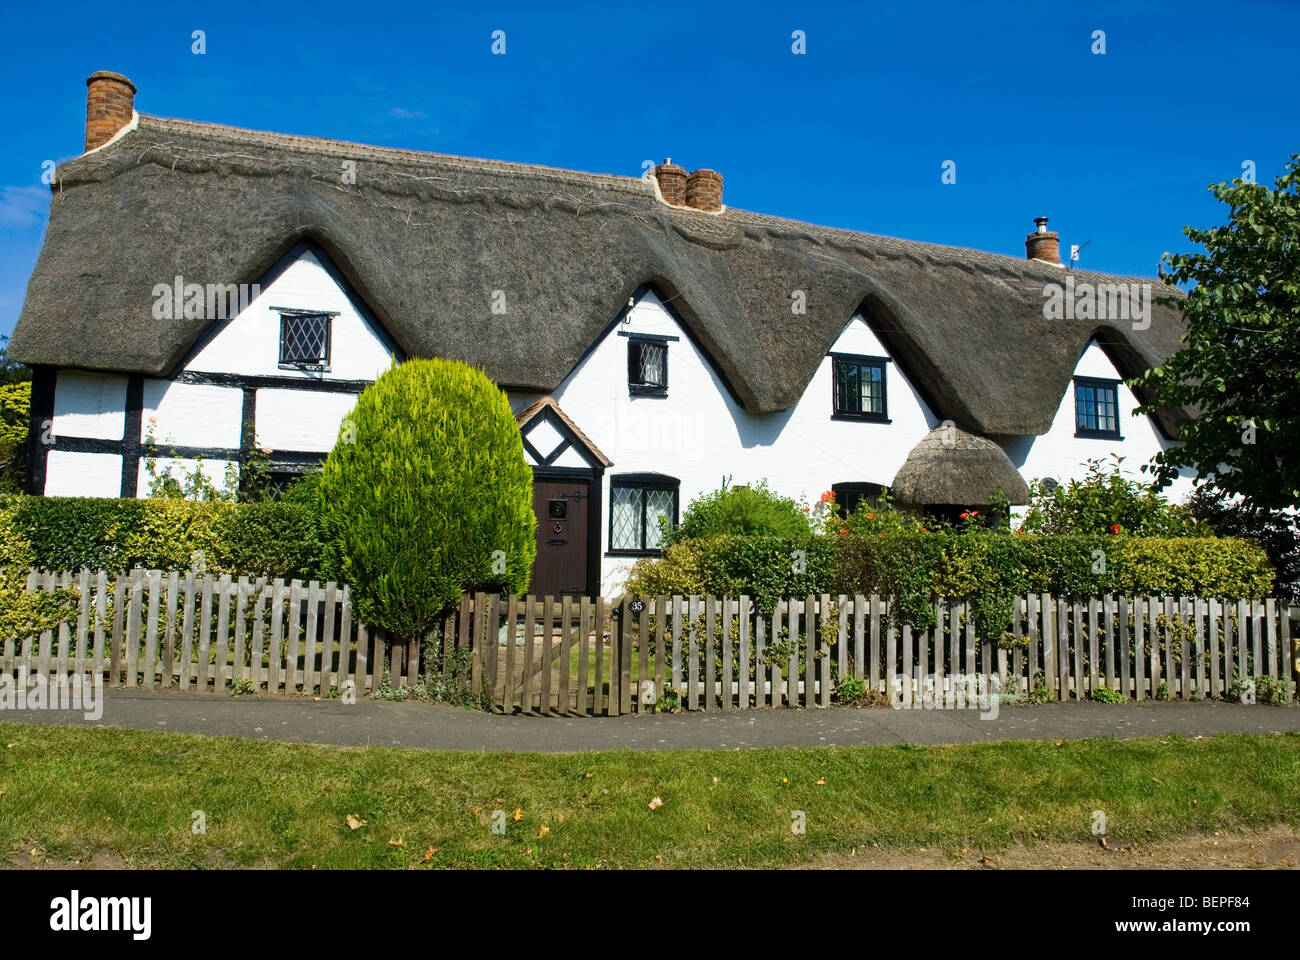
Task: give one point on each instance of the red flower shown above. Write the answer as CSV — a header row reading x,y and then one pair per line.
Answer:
x,y
965,514
1114,528
842,532
828,495
871,516
923,529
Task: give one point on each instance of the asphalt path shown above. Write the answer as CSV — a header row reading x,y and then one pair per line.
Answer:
x,y
370,723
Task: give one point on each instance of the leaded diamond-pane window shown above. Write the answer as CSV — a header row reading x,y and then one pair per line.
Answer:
x,y
1096,407
305,339
647,365
636,504
859,384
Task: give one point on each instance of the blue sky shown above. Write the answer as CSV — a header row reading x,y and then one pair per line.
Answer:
x,y
1116,148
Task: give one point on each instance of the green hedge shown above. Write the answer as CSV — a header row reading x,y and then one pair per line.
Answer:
x,y
272,538
988,569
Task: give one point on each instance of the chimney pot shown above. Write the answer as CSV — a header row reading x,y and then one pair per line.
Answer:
x,y
672,182
110,104
704,190
1043,244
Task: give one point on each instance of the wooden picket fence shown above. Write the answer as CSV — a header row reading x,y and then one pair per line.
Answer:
x,y
710,653
591,656
185,631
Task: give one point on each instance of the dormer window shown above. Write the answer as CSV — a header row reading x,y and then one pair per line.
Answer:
x,y
647,364
305,338
1096,408
859,388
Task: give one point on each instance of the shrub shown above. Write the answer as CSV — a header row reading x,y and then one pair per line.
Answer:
x,y
1274,530
15,406
741,511
427,494
23,614
66,533
987,569
763,568
1107,502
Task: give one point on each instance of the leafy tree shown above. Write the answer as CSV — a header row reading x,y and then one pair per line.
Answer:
x,y
11,371
1106,502
1236,372
15,407
427,494
747,511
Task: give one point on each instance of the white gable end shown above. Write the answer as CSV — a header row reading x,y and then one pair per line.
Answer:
x,y
249,345
1062,454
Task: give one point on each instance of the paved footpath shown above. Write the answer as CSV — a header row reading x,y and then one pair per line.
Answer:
x,y
436,727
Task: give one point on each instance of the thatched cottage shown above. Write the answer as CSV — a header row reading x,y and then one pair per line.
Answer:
x,y
205,290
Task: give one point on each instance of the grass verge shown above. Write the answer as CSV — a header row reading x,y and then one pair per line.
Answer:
x,y
70,793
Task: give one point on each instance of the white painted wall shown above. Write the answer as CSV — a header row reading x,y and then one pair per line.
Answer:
x,y
1061,455
89,405
250,343
83,474
699,434
300,419
191,414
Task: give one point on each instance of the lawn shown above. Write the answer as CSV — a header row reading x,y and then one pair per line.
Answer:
x,y
70,793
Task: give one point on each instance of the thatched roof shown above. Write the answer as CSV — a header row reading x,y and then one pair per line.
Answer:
x,y
426,239
950,466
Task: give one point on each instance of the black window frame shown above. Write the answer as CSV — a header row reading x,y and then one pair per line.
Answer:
x,y
1095,384
860,360
287,314
636,342
857,490
643,482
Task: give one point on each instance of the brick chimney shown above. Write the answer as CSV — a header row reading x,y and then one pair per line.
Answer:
x,y
1042,244
110,101
704,190
672,182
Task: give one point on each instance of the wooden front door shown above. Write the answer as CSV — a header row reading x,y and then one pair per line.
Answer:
x,y
563,517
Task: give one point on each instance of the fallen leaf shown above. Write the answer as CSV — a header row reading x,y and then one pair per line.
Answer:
x,y
428,854
396,843
527,853
501,799
656,803
715,779
659,857
559,817
354,821
1104,844
518,815
543,832
821,782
